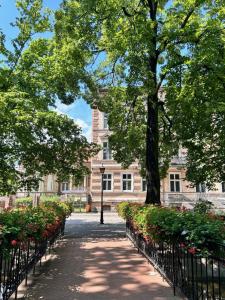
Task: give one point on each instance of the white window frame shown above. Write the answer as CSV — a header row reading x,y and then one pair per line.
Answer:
x,y
109,152
104,122
201,187
63,184
49,183
142,181
132,183
175,180
111,181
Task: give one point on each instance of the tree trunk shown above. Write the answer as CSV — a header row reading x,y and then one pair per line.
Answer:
x,y
152,132
152,152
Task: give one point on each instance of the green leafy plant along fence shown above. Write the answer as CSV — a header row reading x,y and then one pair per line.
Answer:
x,y
26,234
187,247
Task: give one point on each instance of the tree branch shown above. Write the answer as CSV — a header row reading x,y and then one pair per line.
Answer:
x,y
126,12
163,76
182,26
170,123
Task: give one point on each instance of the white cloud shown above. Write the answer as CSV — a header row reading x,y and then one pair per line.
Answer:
x,y
88,134
65,110
86,128
81,123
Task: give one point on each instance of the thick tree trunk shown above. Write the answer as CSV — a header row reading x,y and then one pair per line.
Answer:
x,y
152,132
152,152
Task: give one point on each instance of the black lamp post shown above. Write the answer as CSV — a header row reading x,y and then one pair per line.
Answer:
x,y
102,171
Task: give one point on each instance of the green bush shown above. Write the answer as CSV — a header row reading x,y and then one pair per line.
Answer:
x,y
203,206
49,198
20,202
19,225
196,231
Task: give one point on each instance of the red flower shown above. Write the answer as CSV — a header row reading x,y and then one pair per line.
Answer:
x,y
45,234
192,250
14,243
182,245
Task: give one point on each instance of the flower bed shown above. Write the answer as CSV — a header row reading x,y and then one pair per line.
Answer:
x,y
197,233
19,225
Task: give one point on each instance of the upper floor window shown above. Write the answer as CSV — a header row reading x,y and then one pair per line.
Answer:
x,y
107,182
127,182
65,186
105,121
223,187
144,185
107,154
175,182
200,188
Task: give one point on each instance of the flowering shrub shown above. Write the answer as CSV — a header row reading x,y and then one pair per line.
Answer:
x,y
35,224
194,231
20,202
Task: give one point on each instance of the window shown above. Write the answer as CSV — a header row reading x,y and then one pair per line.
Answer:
x,y
107,182
223,187
106,151
144,185
174,182
200,188
105,121
49,183
65,186
127,182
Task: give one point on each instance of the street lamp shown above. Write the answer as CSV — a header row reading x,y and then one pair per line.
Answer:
x,y
102,171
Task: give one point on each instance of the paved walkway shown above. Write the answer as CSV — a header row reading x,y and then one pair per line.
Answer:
x,y
96,262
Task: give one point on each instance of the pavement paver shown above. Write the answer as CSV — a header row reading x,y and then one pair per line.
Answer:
x,y
94,262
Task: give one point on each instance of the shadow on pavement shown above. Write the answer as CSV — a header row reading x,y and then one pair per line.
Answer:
x,y
97,269
96,262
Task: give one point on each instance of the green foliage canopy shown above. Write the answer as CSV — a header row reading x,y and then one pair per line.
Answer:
x,y
133,50
34,139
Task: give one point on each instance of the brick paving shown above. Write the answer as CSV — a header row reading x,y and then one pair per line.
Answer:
x,y
94,262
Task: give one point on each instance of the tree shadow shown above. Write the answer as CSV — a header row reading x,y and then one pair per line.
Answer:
x,y
98,268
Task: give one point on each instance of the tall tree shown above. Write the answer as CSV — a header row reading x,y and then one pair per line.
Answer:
x,y
34,140
135,50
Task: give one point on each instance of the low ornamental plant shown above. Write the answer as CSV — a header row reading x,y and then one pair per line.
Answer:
x,y
23,202
195,232
19,225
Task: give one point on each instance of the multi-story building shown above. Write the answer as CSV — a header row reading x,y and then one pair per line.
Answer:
x,y
118,184
121,185
127,185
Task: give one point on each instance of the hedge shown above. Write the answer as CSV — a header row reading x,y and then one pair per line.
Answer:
x,y
191,229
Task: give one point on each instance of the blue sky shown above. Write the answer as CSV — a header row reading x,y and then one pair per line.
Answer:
x,y
79,110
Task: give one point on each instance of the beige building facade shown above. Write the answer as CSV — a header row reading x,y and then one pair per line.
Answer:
x,y
127,185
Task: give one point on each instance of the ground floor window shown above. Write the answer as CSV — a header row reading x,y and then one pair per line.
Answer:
x,y
200,188
223,187
175,182
107,182
127,182
144,185
65,186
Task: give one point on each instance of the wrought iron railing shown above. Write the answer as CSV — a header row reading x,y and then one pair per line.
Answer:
x,y
198,277
17,262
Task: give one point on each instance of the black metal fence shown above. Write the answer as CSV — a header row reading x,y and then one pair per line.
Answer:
x,y
16,263
196,276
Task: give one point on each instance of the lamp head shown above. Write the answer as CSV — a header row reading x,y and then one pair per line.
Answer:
x,y
102,169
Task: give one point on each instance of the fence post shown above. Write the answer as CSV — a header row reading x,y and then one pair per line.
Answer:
x,y
174,271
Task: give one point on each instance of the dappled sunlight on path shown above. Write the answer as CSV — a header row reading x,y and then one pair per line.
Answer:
x,y
94,267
